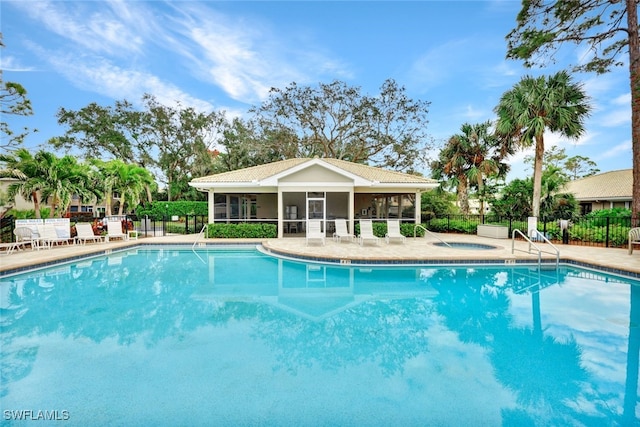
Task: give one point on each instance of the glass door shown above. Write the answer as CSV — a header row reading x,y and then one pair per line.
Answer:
x,y
316,207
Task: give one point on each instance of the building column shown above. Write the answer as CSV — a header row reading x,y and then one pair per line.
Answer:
x,y
417,213
351,212
280,215
211,205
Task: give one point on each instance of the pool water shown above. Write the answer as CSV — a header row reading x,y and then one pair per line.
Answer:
x,y
235,337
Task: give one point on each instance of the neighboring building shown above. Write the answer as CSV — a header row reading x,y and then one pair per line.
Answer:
x,y
290,192
19,203
607,190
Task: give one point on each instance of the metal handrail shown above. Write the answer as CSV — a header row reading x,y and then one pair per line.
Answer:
x,y
199,235
537,248
430,232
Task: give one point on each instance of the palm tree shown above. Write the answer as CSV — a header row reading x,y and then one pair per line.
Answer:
x,y
484,156
22,166
130,180
60,179
452,164
536,105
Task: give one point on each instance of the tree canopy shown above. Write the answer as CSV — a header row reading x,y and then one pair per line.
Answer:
x,y
609,28
338,121
536,105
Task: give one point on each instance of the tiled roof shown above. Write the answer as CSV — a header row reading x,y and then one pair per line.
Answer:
x,y
605,186
261,172
254,173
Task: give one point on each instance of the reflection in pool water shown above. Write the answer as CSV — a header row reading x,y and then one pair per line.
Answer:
x,y
165,337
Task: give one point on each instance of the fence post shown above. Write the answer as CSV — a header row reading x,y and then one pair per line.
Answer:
x,y
606,245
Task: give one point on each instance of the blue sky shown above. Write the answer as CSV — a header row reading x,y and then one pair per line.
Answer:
x,y
227,55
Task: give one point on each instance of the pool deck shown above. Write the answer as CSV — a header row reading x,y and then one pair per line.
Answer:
x,y
420,250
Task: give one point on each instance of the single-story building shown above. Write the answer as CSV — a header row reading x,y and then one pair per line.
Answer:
x,y
292,191
606,190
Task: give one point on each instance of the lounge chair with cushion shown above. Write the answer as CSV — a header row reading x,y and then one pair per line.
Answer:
x,y
342,232
314,231
393,231
366,233
634,238
49,237
84,232
114,230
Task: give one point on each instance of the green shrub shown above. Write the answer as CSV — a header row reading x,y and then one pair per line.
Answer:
x,y
242,231
160,210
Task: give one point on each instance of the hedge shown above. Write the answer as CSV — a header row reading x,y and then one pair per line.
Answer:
x,y
242,231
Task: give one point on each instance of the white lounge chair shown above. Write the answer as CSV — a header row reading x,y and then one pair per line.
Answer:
x,y
84,232
314,231
114,230
366,232
49,237
393,231
342,232
634,238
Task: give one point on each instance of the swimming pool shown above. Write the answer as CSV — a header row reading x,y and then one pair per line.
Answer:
x,y
232,336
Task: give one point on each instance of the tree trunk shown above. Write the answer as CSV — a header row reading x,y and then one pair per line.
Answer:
x,y
463,195
537,175
481,192
36,204
107,203
634,70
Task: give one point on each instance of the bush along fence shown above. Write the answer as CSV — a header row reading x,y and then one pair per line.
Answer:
x,y
610,232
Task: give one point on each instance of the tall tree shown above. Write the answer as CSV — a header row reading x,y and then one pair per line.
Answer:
x,y
537,105
452,165
485,156
607,27
337,121
105,133
580,167
182,137
13,101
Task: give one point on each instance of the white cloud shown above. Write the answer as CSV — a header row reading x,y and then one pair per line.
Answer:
x,y
245,58
101,76
11,63
97,31
617,150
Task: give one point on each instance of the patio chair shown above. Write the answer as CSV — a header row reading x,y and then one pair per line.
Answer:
x,y
49,237
366,232
114,230
314,231
24,237
84,232
342,232
634,238
393,231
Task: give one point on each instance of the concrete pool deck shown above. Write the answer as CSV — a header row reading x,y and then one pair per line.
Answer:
x,y
415,249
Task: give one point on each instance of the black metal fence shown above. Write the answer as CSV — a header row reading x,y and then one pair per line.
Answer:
x,y
603,231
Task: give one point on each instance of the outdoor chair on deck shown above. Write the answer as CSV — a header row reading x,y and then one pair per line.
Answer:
x,y
342,232
634,238
393,231
366,232
49,236
314,231
24,237
114,230
84,232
